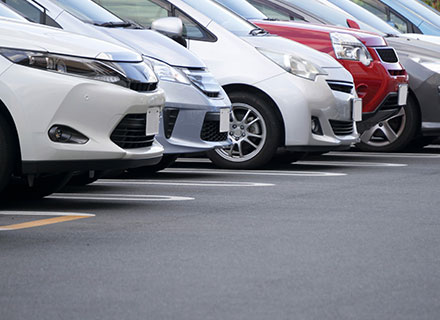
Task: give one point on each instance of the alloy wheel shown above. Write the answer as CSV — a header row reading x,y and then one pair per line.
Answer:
x,y
385,132
248,132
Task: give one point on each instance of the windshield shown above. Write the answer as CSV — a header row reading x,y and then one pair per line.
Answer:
x,y
427,12
88,11
6,12
224,17
365,16
243,8
329,12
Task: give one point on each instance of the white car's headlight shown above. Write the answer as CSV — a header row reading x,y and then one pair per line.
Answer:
x,y
75,66
294,64
165,72
348,47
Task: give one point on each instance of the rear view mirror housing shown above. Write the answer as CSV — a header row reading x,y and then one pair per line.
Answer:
x,y
171,26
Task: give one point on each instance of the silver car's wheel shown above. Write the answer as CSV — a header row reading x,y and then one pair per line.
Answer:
x,y
385,132
247,130
255,130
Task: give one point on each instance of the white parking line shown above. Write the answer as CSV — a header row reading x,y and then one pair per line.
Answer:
x,y
44,213
256,172
382,155
348,164
116,197
182,183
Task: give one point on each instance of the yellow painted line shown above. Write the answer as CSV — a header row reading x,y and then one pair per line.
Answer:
x,y
42,222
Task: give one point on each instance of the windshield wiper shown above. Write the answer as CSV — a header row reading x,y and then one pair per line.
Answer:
x,y
111,24
258,31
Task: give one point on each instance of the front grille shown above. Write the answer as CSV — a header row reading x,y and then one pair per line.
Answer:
x,y
397,72
340,86
342,128
143,87
211,129
169,121
130,132
387,55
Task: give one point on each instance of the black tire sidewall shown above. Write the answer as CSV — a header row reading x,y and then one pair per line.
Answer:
x,y
6,153
273,136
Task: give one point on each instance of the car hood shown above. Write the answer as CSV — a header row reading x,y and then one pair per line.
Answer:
x,y
422,37
155,45
275,43
414,47
369,39
31,36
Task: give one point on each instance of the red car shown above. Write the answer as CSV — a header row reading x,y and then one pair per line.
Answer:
x,y
380,79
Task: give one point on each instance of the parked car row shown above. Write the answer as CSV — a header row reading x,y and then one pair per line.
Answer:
x,y
88,86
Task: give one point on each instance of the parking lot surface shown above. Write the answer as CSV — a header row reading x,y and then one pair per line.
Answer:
x,y
342,236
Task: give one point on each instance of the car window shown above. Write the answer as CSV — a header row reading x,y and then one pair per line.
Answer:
x,y
26,9
271,12
33,13
375,7
87,11
143,12
6,12
399,23
223,16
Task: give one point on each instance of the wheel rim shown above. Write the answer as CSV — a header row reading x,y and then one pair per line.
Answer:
x,y
385,132
248,132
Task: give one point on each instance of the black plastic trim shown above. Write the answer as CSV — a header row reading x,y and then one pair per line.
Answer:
x,y
33,167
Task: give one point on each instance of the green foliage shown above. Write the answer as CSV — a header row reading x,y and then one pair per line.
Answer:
x,y
433,3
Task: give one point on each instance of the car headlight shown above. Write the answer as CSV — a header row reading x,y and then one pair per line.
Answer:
x,y
294,64
75,66
165,72
204,81
348,47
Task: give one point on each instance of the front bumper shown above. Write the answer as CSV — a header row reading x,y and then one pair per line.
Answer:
x,y
42,99
300,100
190,120
376,81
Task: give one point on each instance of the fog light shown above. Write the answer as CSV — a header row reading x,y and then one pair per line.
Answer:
x,y
316,126
63,134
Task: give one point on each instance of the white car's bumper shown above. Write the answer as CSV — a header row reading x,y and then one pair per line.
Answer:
x,y
299,104
39,100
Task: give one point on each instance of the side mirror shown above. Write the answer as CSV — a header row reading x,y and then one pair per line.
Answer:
x,y
171,26
353,24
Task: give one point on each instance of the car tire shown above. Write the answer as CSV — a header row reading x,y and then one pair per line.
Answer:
x,y
166,161
395,133
255,131
6,153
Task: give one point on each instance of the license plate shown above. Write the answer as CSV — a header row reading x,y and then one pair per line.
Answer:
x,y
357,109
153,118
403,94
224,119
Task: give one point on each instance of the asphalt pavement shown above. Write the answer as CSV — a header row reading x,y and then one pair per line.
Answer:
x,y
346,235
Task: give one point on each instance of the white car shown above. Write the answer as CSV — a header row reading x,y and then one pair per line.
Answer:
x,y
279,89
71,103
